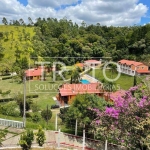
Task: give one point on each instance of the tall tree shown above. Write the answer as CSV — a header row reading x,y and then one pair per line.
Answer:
x,y
4,21
75,77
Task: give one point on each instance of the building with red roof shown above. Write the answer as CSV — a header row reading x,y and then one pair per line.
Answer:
x,y
132,68
80,65
112,95
34,74
92,63
68,91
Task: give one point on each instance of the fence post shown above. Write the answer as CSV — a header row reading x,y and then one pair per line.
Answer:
x,y
83,140
106,145
58,144
56,122
76,127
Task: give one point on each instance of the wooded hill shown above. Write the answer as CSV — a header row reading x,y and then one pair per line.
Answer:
x,y
63,38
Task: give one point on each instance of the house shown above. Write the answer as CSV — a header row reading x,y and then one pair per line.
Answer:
x,y
80,65
110,96
68,91
132,68
92,63
34,74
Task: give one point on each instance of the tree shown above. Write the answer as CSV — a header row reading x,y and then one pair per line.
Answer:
x,y
21,21
26,140
40,136
2,136
75,77
1,52
36,117
135,81
81,110
6,34
46,114
30,21
20,101
127,121
4,21
20,66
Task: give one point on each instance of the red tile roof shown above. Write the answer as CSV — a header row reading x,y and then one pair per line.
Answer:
x,y
92,61
79,65
113,95
129,62
34,72
74,89
143,71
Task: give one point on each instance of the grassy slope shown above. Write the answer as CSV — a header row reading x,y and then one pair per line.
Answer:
x,y
13,40
124,81
45,89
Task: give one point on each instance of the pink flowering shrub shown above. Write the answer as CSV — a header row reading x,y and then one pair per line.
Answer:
x,y
127,122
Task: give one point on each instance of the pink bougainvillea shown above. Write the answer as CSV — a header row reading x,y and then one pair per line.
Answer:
x,y
123,123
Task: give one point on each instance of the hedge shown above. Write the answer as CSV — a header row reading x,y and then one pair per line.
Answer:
x,y
11,99
5,78
32,96
6,99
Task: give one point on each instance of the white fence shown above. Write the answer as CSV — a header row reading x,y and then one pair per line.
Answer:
x,y
11,123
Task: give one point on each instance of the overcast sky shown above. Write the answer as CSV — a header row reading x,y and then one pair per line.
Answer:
x,y
105,12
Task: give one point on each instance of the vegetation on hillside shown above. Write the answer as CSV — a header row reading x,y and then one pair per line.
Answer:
x,y
49,37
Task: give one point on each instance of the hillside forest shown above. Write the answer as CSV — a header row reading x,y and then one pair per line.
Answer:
x,y
50,37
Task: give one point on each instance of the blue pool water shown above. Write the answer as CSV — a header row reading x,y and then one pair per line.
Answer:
x,y
84,81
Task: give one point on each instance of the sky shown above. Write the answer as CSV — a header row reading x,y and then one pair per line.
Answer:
x,y
105,12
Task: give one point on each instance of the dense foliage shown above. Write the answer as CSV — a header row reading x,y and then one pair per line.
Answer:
x,y
46,114
127,122
26,140
40,136
64,39
69,41
80,110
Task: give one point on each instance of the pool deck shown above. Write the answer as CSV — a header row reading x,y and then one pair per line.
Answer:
x,y
89,78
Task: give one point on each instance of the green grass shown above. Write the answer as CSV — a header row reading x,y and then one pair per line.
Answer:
x,y
68,67
123,82
13,42
46,91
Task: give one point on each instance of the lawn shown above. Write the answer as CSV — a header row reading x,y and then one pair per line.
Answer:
x,y
123,82
18,37
46,91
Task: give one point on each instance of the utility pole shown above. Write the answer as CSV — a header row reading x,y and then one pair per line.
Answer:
x,y
56,122
47,115
106,145
76,127
24,100
58,144
83,140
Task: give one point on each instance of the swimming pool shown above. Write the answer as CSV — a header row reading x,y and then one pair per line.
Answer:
x,y
84,81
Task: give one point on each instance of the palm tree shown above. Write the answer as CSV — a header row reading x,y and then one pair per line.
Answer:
x,y
75,77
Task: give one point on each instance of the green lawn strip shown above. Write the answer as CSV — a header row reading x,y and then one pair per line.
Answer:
x,y
123,82
45,98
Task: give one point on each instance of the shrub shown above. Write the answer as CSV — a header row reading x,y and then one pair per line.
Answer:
x,y
29,115
32,96
35,107
36,117
6,99
46,114
26,140
10,109
40,136
5,78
